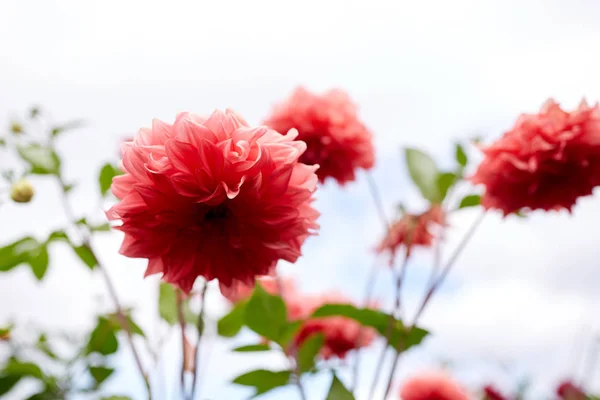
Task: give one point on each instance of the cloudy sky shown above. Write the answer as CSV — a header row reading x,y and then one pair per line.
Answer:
x,y
524,293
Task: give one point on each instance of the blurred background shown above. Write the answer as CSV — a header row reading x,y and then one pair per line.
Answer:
x,y
523,299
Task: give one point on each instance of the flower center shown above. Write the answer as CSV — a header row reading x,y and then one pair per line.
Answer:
x,y
218,213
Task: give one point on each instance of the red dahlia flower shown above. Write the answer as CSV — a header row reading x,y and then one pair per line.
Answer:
x,y
213,197
491,393
432,386
412,230
569,391
546,161
336,139
341,334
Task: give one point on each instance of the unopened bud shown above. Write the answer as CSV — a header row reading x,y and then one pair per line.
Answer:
x,y
16,127
22,191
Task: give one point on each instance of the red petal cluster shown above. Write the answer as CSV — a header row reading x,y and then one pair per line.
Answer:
x,y
336,139
491,393
412,230
546,161
432,386
569,391
341,334
213,197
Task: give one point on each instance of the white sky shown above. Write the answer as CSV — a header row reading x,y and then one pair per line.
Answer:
x,y
424,73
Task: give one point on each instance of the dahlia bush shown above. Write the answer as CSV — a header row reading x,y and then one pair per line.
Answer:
x,y
215,205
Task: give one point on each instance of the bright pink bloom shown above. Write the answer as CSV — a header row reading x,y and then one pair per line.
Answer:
x,y
569,391
213,197
432,386
337,140
341,334
491,393
546,161
412,230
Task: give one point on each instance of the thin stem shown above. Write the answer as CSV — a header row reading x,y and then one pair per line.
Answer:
x,y
85,238
181,319
436,284
389,331
200,328
300,388
376,196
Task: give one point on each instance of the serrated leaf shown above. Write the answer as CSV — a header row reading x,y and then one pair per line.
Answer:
x,y
103,340
337,390
471,200
263,380
86,255
252,347
461,156
445,181
265,314
424,173
230,324
107,173
100,374
308,352
42,160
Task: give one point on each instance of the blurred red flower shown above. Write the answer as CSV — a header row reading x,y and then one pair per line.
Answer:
x,y
213,197
432,386
341,334
491,393
336,139
567,390
412,230
546,161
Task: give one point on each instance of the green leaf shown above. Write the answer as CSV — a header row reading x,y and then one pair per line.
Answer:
x,y
15,367
117,326
57,236
100,374
380,321
43,160
445,181
167,303
308,351
461,156
86,255
43,346
263,380
2,142
100,228
265,314
7,382
67,126
107,173
103,340
338,391
471,200
27,250
424,173
230,324
38,261
252,347
288,332
116,398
